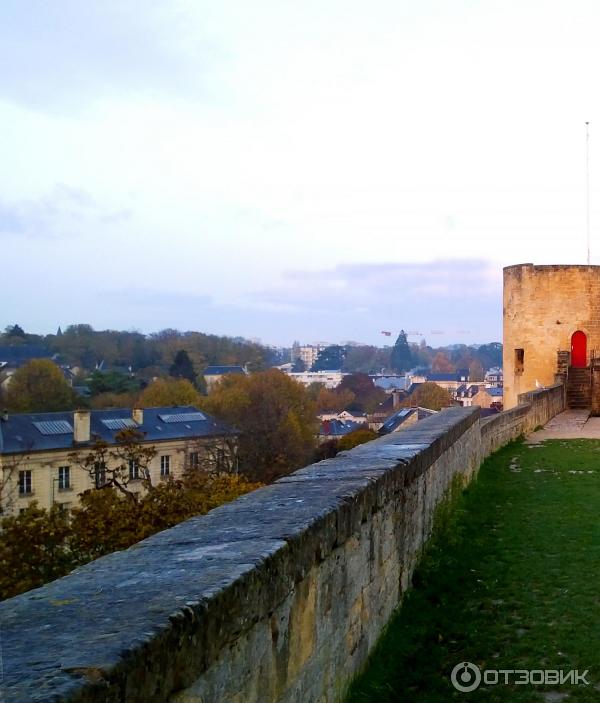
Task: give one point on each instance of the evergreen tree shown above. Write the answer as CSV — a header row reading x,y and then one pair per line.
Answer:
x,y
401,358
182,367
330,359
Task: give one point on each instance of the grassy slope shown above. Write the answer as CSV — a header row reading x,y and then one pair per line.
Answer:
x,y
512,581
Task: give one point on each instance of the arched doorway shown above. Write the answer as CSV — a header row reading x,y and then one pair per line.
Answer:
x,y
579,350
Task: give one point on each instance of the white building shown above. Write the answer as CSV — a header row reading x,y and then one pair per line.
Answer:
x,y
307,353
330,379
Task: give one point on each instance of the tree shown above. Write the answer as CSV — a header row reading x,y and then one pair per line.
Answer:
x,y
9,471
15,331
34,549
401,358
366,394
299,366
165,392
39,386
111,382
117,468
40,545
429,395
476,372
353,439
329,359
182,367
441,363
333,400
275,418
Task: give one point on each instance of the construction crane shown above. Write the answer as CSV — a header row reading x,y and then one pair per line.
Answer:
x,y
416,333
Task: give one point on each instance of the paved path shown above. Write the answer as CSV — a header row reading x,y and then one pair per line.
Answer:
x,y
571,424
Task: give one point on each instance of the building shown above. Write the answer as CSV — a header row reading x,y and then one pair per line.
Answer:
x,y
449,381
494,378
551,326
464,394
330,379
489,398
336,429
36,449
404,418
307,353
213,374
345,416
390,382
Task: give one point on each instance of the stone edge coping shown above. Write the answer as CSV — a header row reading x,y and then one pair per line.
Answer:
x,y
155,616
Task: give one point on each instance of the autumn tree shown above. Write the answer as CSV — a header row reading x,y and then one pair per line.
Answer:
x,y
428,395
166,392
353,439
441,363
476,371
275,418
401,358
39,386
367,396
331,399
34,549
116,467
40,545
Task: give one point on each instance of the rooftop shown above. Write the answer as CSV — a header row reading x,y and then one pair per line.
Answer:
x,y
31,432
222,370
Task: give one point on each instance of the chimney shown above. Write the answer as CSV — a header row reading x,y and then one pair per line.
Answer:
x,y
395,400
137,415
81,426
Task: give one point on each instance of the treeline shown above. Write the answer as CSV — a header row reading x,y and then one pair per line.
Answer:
x,y
151,355
404,356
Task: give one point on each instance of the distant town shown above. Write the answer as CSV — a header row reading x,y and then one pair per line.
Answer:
x,y
69,391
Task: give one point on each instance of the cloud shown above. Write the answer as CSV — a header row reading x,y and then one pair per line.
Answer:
x,y
63,53
62,211
455,300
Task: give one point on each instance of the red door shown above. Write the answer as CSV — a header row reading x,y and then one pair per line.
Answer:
x,y
579,350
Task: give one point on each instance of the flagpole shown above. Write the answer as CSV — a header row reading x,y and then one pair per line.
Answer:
x,y
587,188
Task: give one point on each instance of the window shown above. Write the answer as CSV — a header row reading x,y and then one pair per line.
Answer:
x,y
64,508
519,360
134,470
25,483
100,474
165,465
64,478
194,460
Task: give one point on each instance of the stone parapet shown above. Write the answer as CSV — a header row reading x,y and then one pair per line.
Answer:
x,y
277,596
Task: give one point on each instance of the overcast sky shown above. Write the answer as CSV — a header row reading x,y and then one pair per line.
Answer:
x,y
312,170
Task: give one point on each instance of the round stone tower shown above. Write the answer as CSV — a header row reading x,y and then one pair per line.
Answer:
x,y
551,325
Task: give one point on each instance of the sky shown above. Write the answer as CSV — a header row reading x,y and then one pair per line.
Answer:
x,y
320,170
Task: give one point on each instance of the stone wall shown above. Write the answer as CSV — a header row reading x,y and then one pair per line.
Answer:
x,y
543,307
534,409
277,596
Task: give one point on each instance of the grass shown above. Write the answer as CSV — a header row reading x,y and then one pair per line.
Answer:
x,y
510,581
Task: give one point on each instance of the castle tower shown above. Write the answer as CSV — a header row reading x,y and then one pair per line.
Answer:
x,y
551,325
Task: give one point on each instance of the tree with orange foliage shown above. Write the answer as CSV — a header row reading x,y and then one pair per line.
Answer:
x,y
442,364
275,417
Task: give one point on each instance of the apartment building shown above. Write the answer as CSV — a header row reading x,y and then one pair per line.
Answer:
x,y
41,453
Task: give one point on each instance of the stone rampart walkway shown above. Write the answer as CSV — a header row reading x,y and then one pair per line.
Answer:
x,y
510,583
571,424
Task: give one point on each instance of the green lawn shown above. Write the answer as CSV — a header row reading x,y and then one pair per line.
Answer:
x,y
510,581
